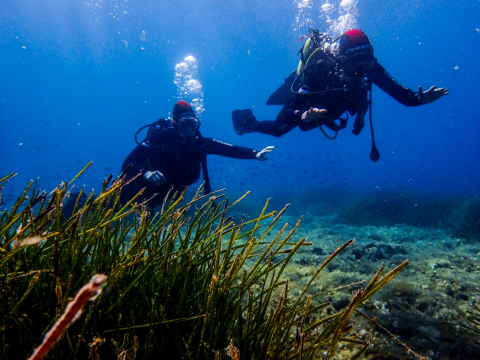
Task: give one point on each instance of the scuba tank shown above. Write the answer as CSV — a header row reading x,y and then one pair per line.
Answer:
x,y
316,41
313,47
159,125
317,71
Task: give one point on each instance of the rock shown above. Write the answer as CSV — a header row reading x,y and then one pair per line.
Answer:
x,y
422,305
303,261
431,331
449,290
358,253
340,301
463,297
442,264
381,251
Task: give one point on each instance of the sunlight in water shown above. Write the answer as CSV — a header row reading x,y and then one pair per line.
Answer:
x,y
347,18
117,9
189,87
334,17
304,17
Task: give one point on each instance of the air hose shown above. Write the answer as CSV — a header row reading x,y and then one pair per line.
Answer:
x,y
332,122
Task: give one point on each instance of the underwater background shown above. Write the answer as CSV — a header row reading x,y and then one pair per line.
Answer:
x,y
79,78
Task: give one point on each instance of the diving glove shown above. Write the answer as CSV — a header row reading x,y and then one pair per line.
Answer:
x,y
432,94
155,177
262,155
313,114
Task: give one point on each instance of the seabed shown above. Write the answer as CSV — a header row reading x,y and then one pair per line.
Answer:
x,y
418,306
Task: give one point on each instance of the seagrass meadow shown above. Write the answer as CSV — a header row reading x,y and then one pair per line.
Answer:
x,y
187,283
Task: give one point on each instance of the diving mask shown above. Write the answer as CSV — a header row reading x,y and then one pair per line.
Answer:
x,y
188,124
359,68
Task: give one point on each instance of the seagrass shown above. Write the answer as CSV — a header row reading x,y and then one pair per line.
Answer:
x,y
185,283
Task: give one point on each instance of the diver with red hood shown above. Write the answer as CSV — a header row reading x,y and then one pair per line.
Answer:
x,y
328,83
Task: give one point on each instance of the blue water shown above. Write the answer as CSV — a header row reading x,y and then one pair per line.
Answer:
x,y
78,78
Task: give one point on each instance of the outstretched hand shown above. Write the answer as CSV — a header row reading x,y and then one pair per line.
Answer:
x,y
431,94
155,177
261,155
312,114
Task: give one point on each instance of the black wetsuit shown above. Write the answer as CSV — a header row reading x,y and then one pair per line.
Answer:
x,y
177,159
335,96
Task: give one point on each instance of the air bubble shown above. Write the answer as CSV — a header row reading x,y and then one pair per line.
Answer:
x,y
189,87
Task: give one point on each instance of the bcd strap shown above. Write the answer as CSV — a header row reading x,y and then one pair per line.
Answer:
x,y
360,118
359,122
207,189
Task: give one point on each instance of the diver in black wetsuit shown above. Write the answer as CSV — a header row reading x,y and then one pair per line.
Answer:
x,y
173,154
328,84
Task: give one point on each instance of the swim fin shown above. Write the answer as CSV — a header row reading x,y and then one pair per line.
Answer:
x,y
283,93
243,120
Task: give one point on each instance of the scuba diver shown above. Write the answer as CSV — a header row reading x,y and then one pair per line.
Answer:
x,y
329,82
172,154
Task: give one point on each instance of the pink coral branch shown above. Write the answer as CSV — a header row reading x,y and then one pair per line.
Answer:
x,y
72,313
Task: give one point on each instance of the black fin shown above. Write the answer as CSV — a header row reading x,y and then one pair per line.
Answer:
x,y
240,119
283,93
